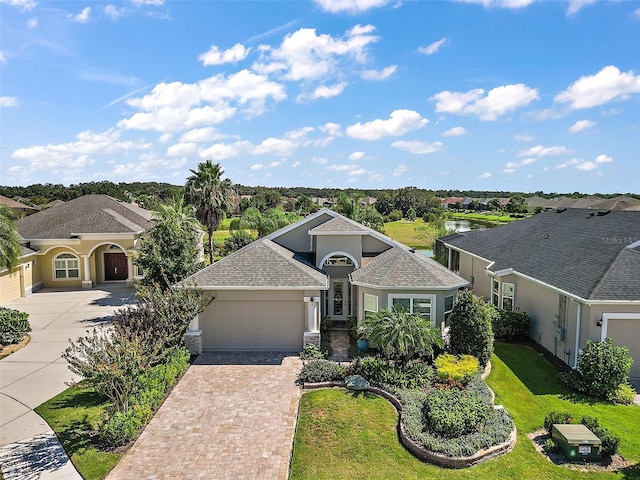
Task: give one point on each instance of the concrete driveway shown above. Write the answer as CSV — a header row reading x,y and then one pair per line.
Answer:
x,y
232,416
28,447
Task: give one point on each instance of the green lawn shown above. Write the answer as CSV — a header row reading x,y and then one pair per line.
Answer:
x,y
74,415
403,231
345,435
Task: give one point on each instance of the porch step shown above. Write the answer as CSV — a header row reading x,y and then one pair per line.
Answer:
x,y
340,345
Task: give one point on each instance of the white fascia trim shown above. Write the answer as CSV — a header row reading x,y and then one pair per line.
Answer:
x,y
342,234
547,285
396,287
619,316
247,288
106,236
503,272
453,247
302,221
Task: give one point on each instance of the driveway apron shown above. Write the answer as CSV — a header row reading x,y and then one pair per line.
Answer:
x,y
29,449
231,416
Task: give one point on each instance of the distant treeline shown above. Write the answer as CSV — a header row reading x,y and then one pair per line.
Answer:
x,y
41,194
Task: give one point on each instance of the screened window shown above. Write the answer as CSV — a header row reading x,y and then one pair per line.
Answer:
x,y
370,303
448,306
66,266
508,290
495,294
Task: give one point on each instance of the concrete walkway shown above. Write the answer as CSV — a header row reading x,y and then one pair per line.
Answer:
x,y
232,416
28,447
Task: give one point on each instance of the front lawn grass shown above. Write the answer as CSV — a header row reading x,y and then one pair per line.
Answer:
x,y
74,415
345,435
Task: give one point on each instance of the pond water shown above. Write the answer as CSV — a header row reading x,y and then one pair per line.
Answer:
x,y
467,225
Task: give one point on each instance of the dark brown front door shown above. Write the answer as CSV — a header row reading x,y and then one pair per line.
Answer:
x,y
115,266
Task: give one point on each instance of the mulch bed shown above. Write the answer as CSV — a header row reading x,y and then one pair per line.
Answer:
x,y
608,464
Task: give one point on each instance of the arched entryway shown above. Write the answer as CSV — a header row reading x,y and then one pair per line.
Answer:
x,y
338,300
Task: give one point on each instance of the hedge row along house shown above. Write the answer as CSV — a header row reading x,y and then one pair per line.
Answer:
x,y
576,272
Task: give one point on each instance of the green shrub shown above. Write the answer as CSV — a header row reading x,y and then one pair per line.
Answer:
x,y
610,442
120,428
624,395
14,325
550,445
470,328
395,215
604,367
321,371
452,413
556,417
382,373
456,369
510,325
310,352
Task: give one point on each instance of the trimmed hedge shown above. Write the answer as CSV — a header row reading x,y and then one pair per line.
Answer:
x,y
382,373
456,369
453,413
14,325
510,325
319,370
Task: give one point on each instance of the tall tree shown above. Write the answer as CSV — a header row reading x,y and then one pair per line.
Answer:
x,y
10,245
171,251
265,223
211,195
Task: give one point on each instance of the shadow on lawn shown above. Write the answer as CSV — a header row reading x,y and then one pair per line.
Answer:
x,y
632,472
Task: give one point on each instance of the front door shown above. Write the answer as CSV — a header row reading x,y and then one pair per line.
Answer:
x,y
115,266
339,299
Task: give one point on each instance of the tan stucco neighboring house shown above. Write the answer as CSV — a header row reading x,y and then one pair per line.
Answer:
x,y
80,243
271,294
576,272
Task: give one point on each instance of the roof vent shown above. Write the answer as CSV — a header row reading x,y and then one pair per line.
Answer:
x,y
412,250
602,213
591,214
561,209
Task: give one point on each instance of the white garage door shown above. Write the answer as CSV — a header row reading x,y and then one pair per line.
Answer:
x,y
253,325
10,288
626,332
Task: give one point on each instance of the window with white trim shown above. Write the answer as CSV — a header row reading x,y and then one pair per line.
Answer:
x,y
508,291
66,266
495,294
449,300
370,303
420,304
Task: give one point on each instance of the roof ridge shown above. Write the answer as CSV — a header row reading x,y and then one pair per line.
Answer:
x,y
290,259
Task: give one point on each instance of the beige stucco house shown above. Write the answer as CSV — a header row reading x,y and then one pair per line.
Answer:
x,y
80,243
576,272
271,294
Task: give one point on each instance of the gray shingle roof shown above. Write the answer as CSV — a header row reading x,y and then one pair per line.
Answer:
x,y
400,268
339,225
87,214
577,250
262,264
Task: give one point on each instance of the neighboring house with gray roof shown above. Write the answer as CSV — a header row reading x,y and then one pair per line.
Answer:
x,y
79,243
576,272
271,294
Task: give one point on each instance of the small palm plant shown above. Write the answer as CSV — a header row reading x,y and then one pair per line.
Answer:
x,y
400,334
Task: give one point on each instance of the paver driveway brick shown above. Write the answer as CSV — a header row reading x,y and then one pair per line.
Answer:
x,y
232,416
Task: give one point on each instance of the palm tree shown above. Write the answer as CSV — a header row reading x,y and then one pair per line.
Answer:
x,y
211,195
10,245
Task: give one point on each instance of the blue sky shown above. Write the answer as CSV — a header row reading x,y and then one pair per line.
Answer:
x,y
519,95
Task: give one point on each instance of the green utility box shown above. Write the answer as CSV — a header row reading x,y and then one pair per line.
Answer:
x,y
577,442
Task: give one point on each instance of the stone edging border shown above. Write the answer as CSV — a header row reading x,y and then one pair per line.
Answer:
x,y
421,452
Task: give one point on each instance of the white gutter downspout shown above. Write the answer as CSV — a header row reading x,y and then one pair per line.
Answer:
x,y
578,321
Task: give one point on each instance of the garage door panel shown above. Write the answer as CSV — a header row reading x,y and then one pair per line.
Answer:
x,y
246,325
10,287
627,332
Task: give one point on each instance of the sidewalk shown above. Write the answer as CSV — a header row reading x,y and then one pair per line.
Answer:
x,y
29,449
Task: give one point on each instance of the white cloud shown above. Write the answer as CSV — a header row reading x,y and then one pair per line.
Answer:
x,y
156,3
586,166
581,125
326,91
418,148
113,12
497,102
513,4
349,169
355,156
399,170
275,164
433,47
217,57
32,22
83,17
350,6
513,166
576,5
333,129
3,58
182,149
523,137
295,164
542,151
257,166
377,75
606,85
8,102
24,5
636,13
603,159
485,175
305,55
454,132
320,160
399,123
166,137
200,135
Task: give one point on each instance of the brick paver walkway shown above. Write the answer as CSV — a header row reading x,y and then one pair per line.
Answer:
x,y
232,416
